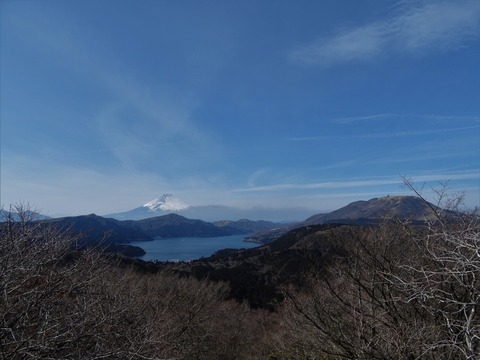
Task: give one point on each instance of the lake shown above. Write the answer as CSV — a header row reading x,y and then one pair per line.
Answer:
x,y
189,248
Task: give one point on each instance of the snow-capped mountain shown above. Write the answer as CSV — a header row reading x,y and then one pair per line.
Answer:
x,y
167,202
163,205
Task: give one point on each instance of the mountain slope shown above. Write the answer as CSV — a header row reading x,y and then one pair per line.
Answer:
x,y
174,225
373,211
34,215
168,203
389,207
246,226
255,275
162,205
94,229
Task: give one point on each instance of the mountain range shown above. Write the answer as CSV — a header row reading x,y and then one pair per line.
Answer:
x,y
162,205
168,203
405,208
94,229
258,275
13,215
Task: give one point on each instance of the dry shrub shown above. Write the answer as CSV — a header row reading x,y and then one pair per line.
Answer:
x,y
59,302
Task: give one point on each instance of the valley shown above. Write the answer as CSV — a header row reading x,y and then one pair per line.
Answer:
x,y
333,283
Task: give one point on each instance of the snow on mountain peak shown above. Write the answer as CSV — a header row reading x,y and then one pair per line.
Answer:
x,y
167,202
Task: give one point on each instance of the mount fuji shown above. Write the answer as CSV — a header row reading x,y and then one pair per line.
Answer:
x,y
163,205
168,203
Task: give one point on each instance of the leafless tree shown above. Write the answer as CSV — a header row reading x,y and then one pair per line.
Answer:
x,y
394,291
60,302
445,276
350,310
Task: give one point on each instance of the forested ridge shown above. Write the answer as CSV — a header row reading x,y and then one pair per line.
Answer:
x,y
386,291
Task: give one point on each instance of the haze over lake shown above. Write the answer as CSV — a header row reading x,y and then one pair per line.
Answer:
x,y
189,248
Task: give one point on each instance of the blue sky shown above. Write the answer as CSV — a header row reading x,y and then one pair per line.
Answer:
x,y
108,104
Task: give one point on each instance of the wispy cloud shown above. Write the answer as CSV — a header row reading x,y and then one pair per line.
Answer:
x,y
384,134
319,185
68,189
423,26
341,184
361,43
351,119
135,121
396,117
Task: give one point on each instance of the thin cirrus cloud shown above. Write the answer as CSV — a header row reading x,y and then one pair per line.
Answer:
x,y
361,118
384,135
388,117
428,25
393,180
135,121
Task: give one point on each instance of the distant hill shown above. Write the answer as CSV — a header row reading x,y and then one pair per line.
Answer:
x,y
290,255
95,229
249,226
405,208
34,215
168,203
255,275
174,225
117,236
163,205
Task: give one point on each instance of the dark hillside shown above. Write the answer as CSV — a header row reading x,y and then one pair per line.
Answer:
x,y
388,291
410,209
248,226
173,225
94,229
256,275
377,209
